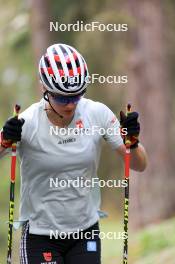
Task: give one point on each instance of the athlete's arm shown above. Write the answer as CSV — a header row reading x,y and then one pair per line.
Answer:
x,y
138,157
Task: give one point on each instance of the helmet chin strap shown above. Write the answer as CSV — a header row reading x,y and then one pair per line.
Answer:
x,y
45,95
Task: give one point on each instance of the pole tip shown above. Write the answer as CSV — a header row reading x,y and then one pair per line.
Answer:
x,y
17,108
128,107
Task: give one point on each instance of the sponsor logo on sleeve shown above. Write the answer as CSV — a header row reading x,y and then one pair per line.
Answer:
x,y
113,120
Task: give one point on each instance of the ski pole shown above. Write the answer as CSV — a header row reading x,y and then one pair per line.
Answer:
x,y
12,193
126,199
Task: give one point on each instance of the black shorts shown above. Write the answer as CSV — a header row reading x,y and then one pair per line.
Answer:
x,y
39,249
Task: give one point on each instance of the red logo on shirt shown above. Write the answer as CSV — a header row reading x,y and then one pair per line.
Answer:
x,y
79,124
47,256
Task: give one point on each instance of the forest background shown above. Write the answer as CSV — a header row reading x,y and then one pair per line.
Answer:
x,y
144,53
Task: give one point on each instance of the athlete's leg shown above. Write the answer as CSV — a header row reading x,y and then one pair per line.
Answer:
x,y
85,251
37,249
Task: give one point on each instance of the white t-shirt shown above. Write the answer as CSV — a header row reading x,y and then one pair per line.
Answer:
x,y
49,157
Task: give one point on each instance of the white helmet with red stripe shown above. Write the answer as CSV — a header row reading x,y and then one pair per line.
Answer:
x,y
63,70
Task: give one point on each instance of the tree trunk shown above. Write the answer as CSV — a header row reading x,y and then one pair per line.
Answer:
x,y
152,192
40,15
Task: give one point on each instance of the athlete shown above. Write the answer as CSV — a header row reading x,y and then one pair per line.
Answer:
x,y
59,143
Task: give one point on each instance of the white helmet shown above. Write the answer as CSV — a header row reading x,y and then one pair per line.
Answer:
x,y
63,70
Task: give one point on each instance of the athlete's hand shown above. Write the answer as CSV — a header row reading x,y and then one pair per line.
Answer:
x,y
133,127
11,131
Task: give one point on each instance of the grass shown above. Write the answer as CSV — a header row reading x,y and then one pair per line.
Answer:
x,y
154,244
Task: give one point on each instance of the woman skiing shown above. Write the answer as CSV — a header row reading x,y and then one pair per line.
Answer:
x,y
49,156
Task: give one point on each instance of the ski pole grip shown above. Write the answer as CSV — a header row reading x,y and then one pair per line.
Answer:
x,y
7,143
128,110
15,114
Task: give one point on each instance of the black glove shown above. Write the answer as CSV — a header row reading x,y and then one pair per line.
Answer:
x,y
12,131
133,127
